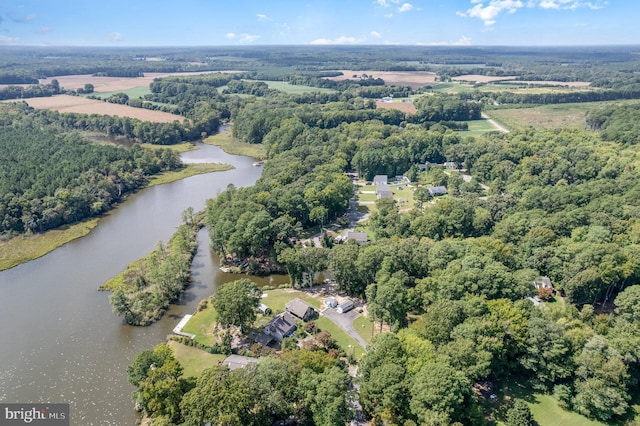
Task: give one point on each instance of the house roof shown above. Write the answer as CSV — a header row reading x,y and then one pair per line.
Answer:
x,y
236,361
298,307
360,237
382,188
379,179
385,195
437,190
285,323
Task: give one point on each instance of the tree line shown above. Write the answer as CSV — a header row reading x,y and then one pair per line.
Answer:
x,y
50,178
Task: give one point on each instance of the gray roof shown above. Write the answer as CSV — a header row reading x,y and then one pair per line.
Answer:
x,y
360,237
284,323
383,188
385,195
437,190
379,179
236,361
299,308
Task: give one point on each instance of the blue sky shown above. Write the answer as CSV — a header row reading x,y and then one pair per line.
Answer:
x,y
261,22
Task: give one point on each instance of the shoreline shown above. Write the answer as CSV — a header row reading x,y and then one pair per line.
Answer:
x,y
25,248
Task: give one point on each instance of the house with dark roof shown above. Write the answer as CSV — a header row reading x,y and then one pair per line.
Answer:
x,y
434,191
301,309
283,325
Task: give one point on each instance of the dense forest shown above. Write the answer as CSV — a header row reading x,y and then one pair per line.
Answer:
x,y
51,177
454,284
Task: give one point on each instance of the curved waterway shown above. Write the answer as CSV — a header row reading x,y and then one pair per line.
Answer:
x,y
59,340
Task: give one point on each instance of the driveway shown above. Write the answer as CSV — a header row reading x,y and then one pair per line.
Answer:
x,y
345,322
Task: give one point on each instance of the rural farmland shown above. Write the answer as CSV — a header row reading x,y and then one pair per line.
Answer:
x,y
67,103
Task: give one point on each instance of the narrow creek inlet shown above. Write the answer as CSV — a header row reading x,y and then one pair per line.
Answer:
x,y
60,341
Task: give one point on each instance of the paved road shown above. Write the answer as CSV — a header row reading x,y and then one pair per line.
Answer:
x,y
496,125
345,322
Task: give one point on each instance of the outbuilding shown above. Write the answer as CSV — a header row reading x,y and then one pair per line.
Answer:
x,y
345,306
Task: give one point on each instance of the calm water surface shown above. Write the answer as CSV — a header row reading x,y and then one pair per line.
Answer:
x,y
59,340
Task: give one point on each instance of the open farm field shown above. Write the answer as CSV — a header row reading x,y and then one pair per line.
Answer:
x,y
413,79
505,86
555,116
406,107
67,103
118,84
476,78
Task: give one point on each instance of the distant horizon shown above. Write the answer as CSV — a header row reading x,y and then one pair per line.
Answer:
x,y
253,46
200,23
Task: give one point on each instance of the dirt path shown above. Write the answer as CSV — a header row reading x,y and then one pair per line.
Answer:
x,y
494,124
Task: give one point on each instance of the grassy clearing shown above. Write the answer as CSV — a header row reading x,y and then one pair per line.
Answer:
x,y
194,360
189,170
545,408
367,193
202,324
478,128
136,92
346,342
24,248
546,412
364,327
234,146
277,299
295,89
556,116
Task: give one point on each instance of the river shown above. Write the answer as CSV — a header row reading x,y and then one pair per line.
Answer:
x,y
60,341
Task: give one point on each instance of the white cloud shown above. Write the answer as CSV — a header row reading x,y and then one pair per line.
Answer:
x,y
405,7
488,11
44,29
248,38
8,41
375,34
339,40
230,36
114,37
262,17
386,3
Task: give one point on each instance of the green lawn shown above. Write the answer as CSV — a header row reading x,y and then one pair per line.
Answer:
x,y
405,194
194,360
364,327
202,325
277,299
295,89
478,128
341,337
136,92
545,408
